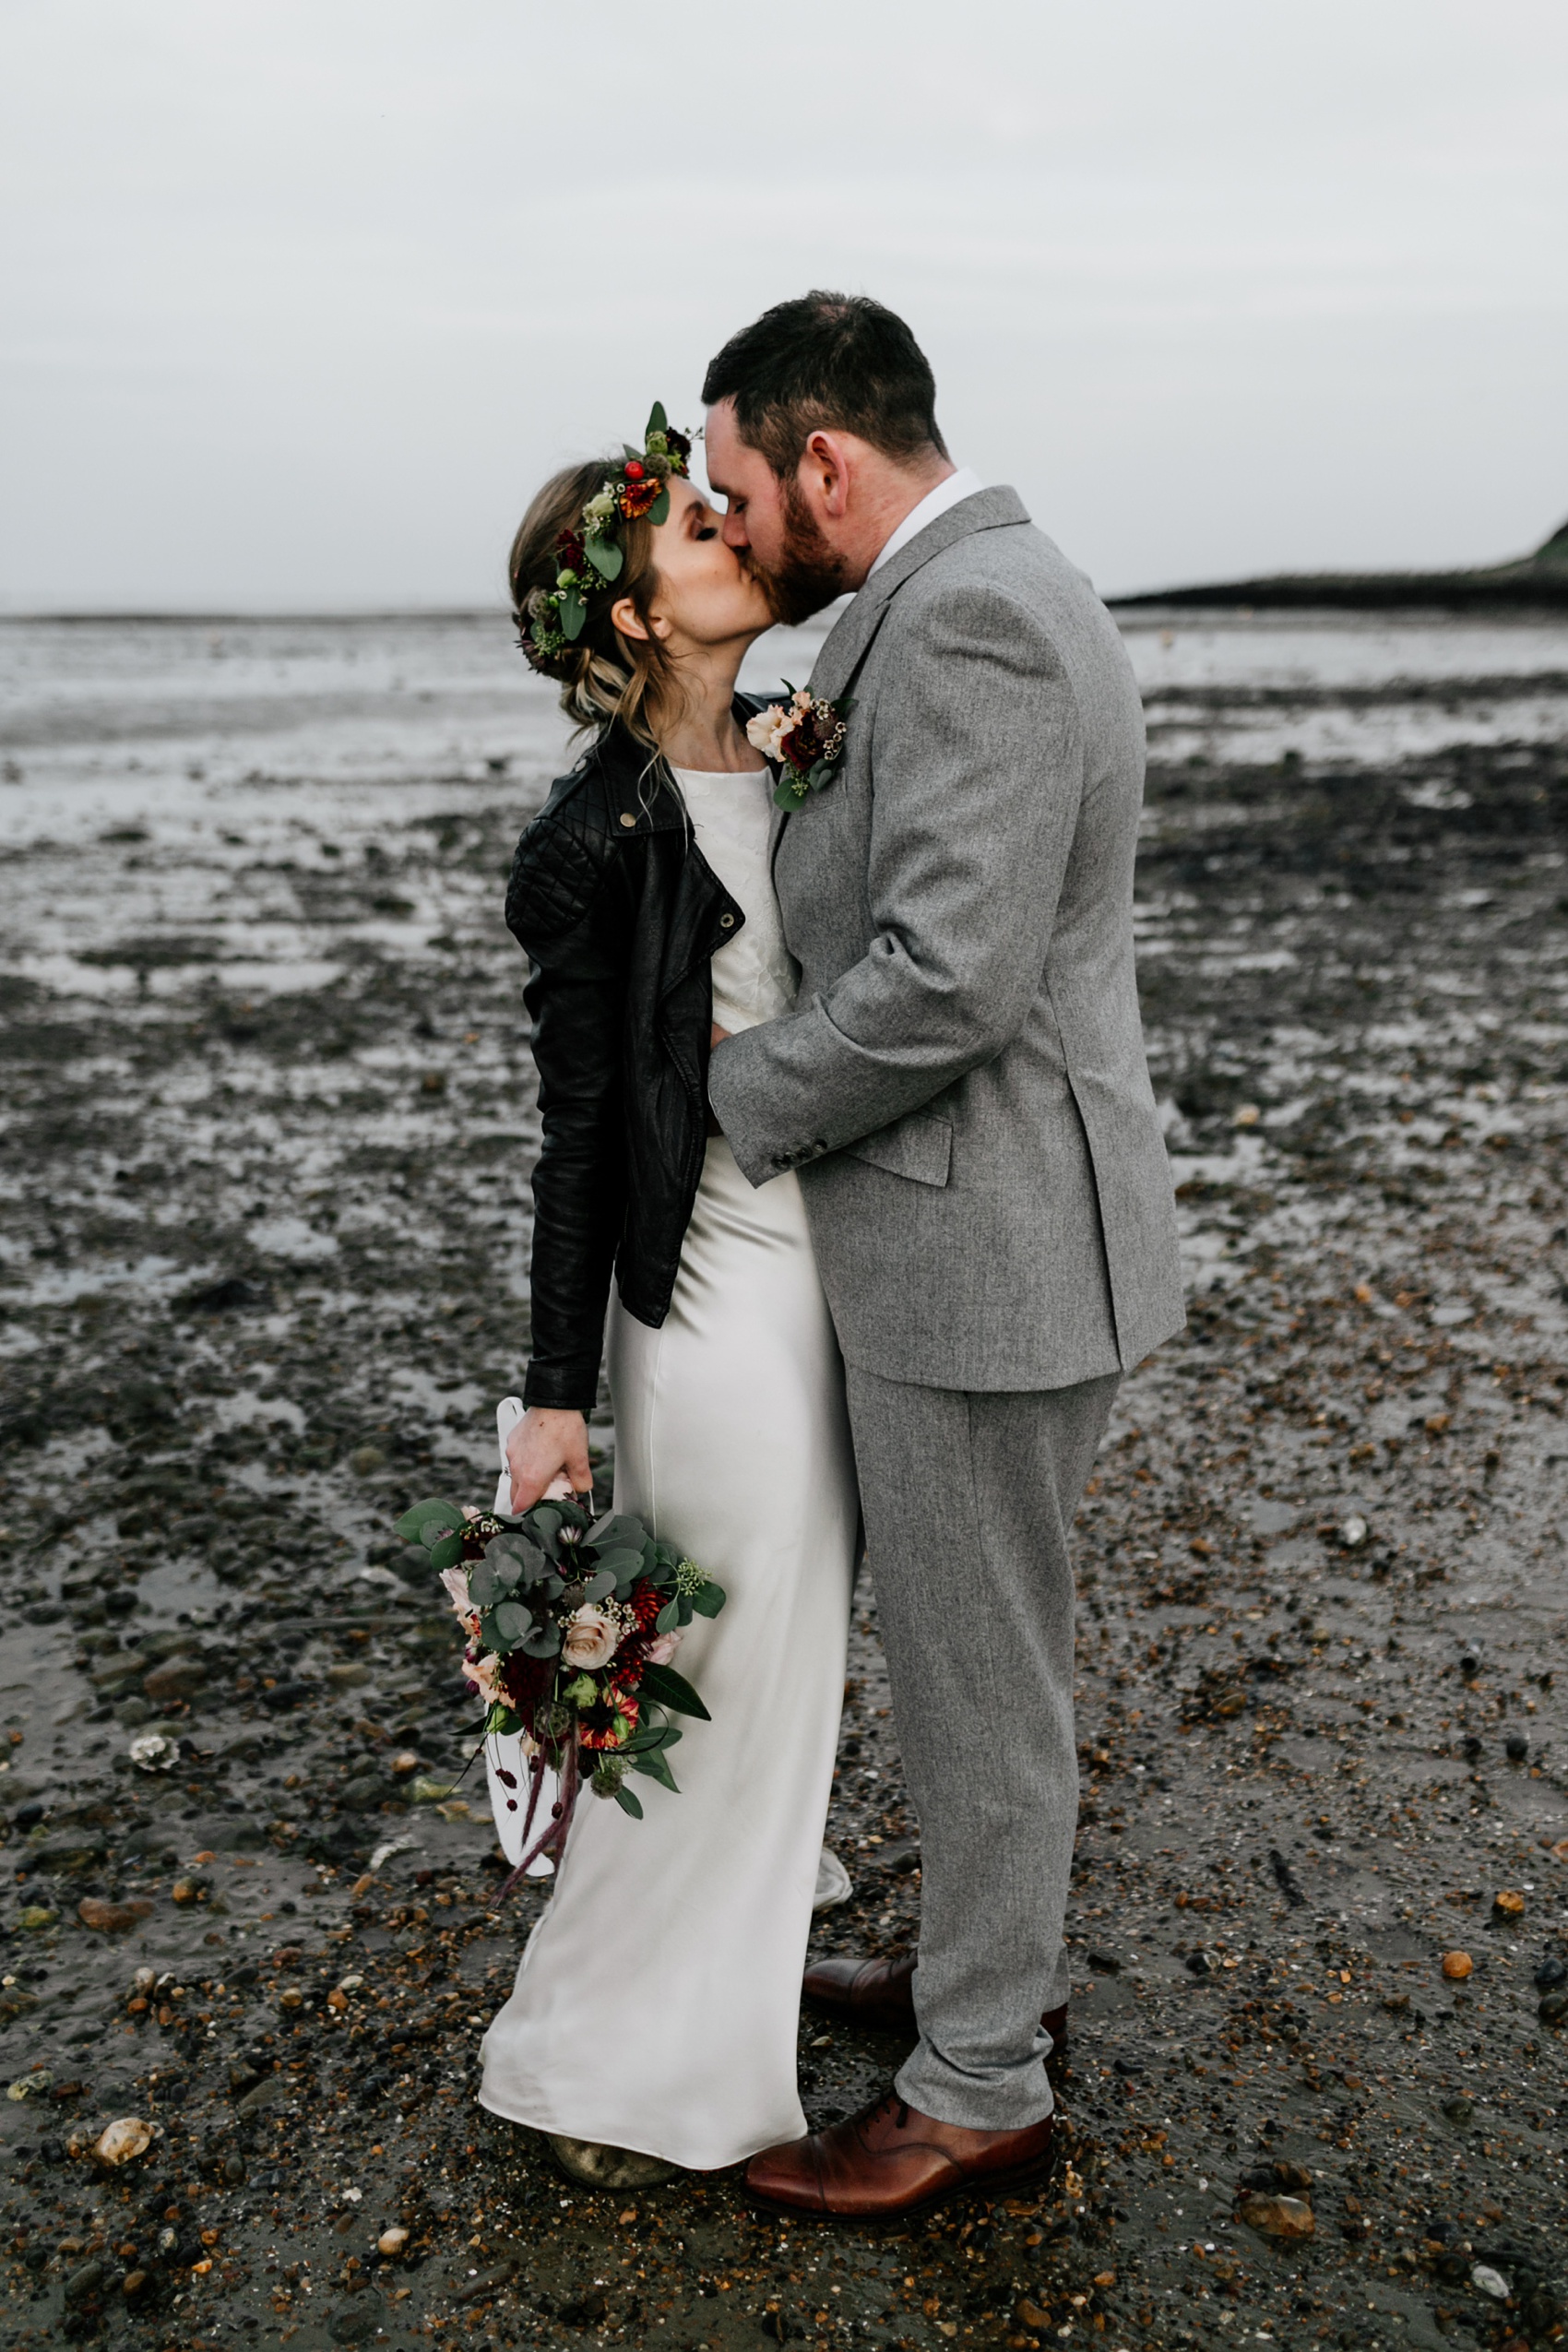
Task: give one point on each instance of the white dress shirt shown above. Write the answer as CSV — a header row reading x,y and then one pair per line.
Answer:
x,y
957,486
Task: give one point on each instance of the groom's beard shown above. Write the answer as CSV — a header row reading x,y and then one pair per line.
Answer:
x,y
809,572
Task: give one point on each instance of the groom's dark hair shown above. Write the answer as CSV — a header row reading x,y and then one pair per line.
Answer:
x,y
833,363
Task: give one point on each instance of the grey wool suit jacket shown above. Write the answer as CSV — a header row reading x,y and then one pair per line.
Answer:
x,y
962,1083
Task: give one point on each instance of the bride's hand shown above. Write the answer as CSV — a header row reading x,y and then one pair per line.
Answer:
x,y
540,1446
718,1038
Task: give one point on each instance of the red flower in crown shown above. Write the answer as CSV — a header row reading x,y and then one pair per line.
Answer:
x,y
637,491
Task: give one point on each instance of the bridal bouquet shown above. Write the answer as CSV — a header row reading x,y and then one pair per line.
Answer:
x,y
571,1625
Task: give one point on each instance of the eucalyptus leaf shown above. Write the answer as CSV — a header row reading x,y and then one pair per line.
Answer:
x,y
528,1562
628,1803
574,612
667,1618
600,1586
438,1509
485,1585
657,513
621,1561
428,1519
605,557
669,1689
709,1598
512,1621
446,1554
615,1527
543,1642
511,1546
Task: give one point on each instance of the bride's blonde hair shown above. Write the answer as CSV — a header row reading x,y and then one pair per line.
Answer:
x,y
603,676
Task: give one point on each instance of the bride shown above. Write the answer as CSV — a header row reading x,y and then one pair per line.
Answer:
x,y
653,2020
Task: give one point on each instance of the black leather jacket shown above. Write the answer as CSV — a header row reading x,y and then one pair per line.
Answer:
x,y
619,912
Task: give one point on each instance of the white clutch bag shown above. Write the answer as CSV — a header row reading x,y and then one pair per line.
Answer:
x,y
506,1765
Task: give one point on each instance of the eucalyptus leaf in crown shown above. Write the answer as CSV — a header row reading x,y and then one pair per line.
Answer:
x,y
591,557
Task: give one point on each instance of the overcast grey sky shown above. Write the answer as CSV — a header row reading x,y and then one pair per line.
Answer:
x,y
299,298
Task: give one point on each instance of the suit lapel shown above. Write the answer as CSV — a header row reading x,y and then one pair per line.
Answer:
x,y
846,642
849,640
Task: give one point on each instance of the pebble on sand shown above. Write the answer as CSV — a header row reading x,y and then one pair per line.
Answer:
x,y
111,1919
122,2139
392,2241
1278,2216
1456,1966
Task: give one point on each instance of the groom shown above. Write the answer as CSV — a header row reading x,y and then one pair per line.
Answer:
x,y
963,1088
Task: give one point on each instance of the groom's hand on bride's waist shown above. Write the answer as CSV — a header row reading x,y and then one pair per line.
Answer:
x,y
542,1445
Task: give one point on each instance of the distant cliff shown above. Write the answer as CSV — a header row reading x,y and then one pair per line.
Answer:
x,y
1538,579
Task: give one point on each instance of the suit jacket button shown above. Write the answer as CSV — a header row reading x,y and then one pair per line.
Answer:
x,y
627,819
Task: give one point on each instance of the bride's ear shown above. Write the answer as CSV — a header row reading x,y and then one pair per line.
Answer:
x,y
624,616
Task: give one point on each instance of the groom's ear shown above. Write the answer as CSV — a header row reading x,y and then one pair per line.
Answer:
x,y
825,473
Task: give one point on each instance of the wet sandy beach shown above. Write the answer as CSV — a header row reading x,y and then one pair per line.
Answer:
x,y
267,1120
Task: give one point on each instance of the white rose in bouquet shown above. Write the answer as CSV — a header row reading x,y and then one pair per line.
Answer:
x,y
592,1635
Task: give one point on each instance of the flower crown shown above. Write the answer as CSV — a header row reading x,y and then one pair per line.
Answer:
x,y
591,557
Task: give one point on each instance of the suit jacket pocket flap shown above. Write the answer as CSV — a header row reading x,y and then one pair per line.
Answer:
x,y
919,1147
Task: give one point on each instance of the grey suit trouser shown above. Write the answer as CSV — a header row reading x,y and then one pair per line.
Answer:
x,y
969,1498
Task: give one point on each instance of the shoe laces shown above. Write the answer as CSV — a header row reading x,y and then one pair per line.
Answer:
x,y
879,2106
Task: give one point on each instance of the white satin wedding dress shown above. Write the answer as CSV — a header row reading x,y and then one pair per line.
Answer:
x,y
657,2003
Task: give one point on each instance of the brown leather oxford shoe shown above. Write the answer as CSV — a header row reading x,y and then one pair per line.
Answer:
x,y
880,1994
890,2159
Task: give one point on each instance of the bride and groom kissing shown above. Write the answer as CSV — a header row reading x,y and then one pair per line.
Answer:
x,y
852,1167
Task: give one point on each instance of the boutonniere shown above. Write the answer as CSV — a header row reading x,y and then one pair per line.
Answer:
x,y
805,737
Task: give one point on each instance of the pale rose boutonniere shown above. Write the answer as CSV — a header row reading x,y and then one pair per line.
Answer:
x,y
805,737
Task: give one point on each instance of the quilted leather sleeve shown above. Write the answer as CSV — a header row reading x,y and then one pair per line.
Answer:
x,y
565,906
557,874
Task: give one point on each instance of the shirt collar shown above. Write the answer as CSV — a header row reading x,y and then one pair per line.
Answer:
x,y
950,492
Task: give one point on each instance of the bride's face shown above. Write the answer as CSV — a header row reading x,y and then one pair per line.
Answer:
x,y
706,594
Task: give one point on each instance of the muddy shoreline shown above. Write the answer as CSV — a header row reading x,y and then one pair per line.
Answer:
x,y
262,1281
